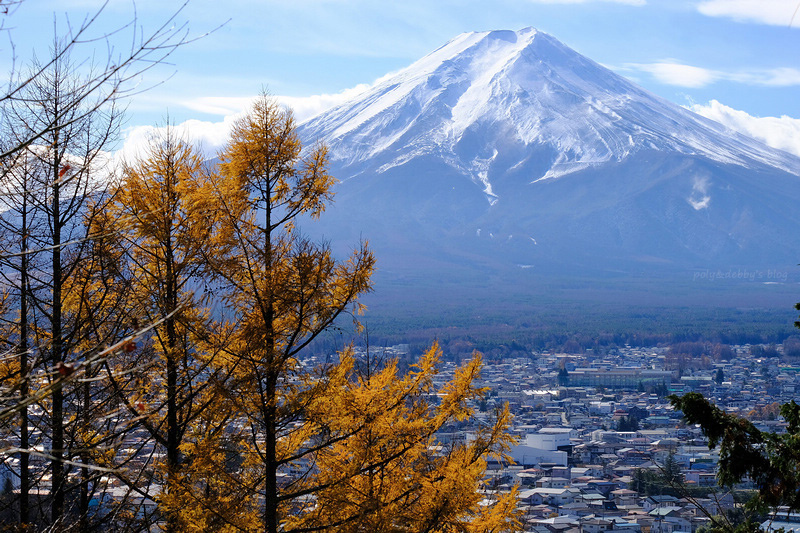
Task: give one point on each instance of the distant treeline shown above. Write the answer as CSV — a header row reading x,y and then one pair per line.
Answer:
x,y
691,331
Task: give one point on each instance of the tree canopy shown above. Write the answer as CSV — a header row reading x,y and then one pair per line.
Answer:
x,y
155,320
177,367
771,460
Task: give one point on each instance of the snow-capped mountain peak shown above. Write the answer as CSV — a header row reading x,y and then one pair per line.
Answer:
x,y
487,102
507,160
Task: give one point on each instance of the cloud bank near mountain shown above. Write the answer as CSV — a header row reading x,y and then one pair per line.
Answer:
x,y
782,132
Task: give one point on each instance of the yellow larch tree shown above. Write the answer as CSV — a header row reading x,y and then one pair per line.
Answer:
x,y
167,222
254,438
323,447
96,301
388,473
282,291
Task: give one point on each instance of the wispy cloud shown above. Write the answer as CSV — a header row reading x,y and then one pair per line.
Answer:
x,y
210,136
674,73
219,105
699,197
776,12
782,132
777,77
671,72
306,107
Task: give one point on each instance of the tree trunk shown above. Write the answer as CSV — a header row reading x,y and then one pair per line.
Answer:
x,y
58,479
173,431
24,458
271,488
84,489
270,411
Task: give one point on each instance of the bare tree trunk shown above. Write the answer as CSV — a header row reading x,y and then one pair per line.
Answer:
x,y
24,440
83,508
57,465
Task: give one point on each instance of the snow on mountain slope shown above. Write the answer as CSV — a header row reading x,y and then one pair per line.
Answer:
x,y
520,92
504,152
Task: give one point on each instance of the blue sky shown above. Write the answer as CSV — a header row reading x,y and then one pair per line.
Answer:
x,y
737,61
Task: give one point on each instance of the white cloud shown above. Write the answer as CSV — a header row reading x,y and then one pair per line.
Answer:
x,y
782,132
210,137
777,77
671,72
783,77
674,73
304,107
699,198
308,106
777,12
219,105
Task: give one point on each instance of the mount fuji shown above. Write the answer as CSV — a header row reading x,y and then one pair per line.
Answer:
x,y
507,161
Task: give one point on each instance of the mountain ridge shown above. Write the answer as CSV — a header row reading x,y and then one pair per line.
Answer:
x,y
505,153
543,92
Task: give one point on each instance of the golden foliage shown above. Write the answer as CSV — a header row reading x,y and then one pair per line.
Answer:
x,y
385,471
255,440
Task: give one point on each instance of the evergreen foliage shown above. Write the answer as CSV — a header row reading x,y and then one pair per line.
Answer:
x,y
770,460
